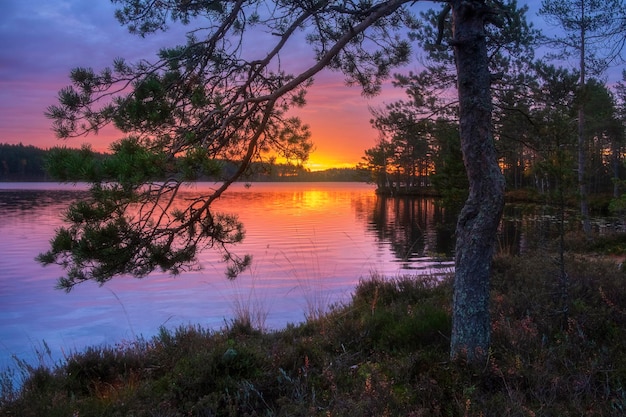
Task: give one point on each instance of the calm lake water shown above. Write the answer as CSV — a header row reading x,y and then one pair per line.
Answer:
x,y
311,243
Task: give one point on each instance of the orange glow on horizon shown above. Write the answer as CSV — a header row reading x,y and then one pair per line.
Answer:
x,y
338,117
324,163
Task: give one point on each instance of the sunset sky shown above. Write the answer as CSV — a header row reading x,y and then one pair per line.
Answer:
x,y
41,40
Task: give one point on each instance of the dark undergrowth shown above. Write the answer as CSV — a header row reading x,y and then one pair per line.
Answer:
x,y
383,354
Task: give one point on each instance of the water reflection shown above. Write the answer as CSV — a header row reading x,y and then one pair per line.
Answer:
x,y
311,244
416,227
531,227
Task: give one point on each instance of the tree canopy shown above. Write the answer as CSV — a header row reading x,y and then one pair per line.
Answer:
x,y
221,96
594,35
227,94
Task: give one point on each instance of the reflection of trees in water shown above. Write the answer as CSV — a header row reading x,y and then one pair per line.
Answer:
x,y
27,200
536,227
37,203
417,227
414,226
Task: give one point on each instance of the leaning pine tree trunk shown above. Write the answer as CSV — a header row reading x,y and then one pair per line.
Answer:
x,y
479,218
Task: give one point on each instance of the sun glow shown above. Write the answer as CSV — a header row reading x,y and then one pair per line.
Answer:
x,y
322,163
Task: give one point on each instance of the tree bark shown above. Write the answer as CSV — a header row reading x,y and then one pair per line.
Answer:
x,y
479,219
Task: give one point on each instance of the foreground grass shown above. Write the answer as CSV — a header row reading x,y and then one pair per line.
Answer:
x,y
383,354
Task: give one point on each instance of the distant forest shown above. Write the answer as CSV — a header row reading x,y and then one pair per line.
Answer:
x,y
28,163
22,163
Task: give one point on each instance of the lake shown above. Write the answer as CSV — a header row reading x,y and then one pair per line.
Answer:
x,y
311,244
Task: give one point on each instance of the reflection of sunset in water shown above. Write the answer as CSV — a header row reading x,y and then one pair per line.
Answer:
x,y
308,241
312,199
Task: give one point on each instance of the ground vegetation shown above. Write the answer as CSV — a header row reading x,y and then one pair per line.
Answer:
x,y
384,352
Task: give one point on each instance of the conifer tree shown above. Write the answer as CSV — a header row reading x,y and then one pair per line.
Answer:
x,y
595,35
224,96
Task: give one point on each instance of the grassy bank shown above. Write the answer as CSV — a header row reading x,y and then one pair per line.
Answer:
x,y
383,354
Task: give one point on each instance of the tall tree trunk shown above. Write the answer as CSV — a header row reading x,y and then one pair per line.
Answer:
x,y
582,166
479,218
582,145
